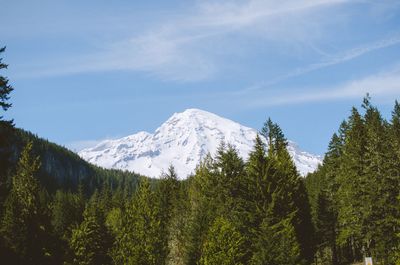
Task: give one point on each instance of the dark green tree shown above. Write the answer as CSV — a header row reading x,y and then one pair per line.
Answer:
x,y
139,240
276,244
90,242
168,193
67,212
202,210
6,132
287,191
224,245
217,190
5,89
22,226
352,186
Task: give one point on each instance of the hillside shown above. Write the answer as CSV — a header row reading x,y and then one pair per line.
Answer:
x,y
60,167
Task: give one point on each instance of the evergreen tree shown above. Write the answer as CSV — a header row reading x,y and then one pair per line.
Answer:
x,y
22,226
5,89
90,242
224,245
384,206
260,173
356,201
325,225
67,211
352,186
6,131
228,171
276,244
202,209
168,192
139,240
288,194
323,194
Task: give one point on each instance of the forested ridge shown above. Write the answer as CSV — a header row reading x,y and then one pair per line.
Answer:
x,y
58,209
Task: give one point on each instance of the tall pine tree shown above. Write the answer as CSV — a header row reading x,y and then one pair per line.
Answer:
x,y
22,224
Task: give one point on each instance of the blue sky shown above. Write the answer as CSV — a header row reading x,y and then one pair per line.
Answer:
x,y
84,71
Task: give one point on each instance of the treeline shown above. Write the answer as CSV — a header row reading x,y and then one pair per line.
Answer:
x,y
355,192
229,212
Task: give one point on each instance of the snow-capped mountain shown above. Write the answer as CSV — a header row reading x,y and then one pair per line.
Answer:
x,y
183,141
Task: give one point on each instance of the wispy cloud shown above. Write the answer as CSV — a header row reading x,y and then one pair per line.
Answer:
x,y
189,47
329,61
382,85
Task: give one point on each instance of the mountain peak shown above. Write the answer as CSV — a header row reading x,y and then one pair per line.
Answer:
x,y
196,115
183,141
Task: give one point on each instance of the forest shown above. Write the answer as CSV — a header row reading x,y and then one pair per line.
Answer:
x,y
230,211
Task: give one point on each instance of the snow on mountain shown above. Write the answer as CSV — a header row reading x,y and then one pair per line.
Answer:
x,y
183,141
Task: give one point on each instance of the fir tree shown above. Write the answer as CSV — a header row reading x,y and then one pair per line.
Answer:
x,y
168,192
67,210
22,229
90,242
352,185
139,240
5,89
276,244
224,245
287,192
202,209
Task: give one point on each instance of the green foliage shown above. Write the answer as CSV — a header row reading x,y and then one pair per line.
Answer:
x,y
231,211
90,242
22,226
285,192
168,194
61,168
267,187
139,242
224,245
355,192
67,210
276,244
5,90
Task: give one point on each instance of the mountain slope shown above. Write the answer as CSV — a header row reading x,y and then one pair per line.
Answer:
x,y
183,141
60,167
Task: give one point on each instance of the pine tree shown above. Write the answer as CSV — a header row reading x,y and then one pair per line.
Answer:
x,y
224,245
90,243
276,244
325,225
352,185
202,209
67,211
288,196
376,175
22,229
228,171
218,189
5,89
260,173
168,192
139,240
6,132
